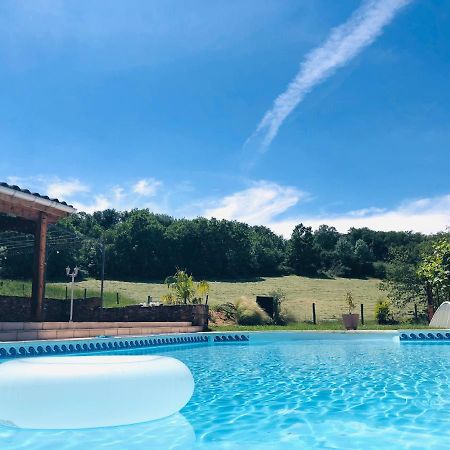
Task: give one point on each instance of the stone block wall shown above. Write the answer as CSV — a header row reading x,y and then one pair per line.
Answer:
x,y
18,309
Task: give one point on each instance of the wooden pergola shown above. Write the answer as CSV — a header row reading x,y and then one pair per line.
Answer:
x,y
31,213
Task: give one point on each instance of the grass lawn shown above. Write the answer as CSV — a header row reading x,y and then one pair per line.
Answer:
x,y
324,326
301,292
327,294
58,291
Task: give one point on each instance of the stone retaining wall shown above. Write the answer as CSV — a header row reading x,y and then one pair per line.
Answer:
x,y
18,309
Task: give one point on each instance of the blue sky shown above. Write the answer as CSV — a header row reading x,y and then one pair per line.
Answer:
x,y
271,112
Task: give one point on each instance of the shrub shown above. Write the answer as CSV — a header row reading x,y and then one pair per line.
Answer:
x,y
282,315
383,311
350,303
249,313
169,299
285,316
223,314
227,309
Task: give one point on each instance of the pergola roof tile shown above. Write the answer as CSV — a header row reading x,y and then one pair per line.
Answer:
x,y
36,194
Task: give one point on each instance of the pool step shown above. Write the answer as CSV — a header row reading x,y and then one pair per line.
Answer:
x,y
24,331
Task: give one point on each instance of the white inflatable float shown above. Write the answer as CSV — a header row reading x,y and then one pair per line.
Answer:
x,y
441,318
91,391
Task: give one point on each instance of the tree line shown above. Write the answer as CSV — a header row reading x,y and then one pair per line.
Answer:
x,y
141,245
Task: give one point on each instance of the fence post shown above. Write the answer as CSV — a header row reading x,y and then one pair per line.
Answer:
x,y
314,313
85,293
362,314
117,297
66,292
148,300
102,282
416,318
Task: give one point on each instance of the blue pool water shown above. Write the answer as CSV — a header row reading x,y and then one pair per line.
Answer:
x,y
284,392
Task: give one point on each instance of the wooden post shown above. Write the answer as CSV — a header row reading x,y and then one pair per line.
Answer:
x,y
117,297
37,295
314,313
362,314
85,293
66,291
416,316
102,274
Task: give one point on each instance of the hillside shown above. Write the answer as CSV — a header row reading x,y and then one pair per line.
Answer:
x,y
328,294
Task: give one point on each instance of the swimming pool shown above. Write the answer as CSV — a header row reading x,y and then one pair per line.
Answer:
x,y
289,391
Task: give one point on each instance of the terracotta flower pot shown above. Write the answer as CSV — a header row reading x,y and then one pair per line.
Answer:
x,y
350,321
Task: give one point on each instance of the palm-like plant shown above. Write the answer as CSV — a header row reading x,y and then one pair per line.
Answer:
x,y
182,285
203,288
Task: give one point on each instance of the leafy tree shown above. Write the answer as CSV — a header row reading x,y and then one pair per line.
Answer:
x,y
326,237
302,255
402,284
363,259
268,251
363,254
344,257
143,245
107,219
434,272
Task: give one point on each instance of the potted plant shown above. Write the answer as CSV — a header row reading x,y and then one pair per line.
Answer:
x,y
350,320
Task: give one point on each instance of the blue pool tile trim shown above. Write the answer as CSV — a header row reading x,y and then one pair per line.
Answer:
x,y
230,338
103,343
424,335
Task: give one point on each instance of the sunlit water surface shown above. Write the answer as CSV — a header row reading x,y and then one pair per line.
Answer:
x,y
280,392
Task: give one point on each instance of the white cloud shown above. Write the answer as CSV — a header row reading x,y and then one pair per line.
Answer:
x,y
52,186
65,188
100,203
124,198
120,197
343,44
261,204
118,193
147,187
427,215
256,205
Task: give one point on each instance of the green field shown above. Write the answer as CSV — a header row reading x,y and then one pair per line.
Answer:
x,y
58,291
301,292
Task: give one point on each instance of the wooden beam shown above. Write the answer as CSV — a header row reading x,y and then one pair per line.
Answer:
x,y
8,223
37,295
29,210
26,212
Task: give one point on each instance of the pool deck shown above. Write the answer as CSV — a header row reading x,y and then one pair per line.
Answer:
x,y
26,331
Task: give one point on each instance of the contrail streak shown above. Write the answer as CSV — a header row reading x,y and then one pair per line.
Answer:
x,y
344,43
